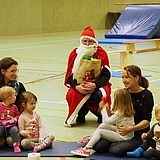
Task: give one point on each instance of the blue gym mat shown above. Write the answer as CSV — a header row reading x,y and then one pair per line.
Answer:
x,y
116,40
108,156
137,21
118,74
59,149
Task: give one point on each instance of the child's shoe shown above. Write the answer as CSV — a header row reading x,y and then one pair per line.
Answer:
x,y
40,147
81,152
36,149
16,147
46,143
84,140
137,153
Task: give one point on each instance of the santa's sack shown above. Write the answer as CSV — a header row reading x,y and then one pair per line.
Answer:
x,y
88,70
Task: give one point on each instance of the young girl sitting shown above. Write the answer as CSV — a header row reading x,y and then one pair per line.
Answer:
x,y
9,115
30,125
123,114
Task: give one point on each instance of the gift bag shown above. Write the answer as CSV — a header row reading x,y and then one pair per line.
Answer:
x,y
88,70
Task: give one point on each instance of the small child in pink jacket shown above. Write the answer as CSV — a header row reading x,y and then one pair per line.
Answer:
x,y
30,125
9,115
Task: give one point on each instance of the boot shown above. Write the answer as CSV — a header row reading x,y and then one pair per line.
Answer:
x,y
137,153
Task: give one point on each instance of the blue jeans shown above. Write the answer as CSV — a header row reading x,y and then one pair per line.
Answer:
x,y
117,148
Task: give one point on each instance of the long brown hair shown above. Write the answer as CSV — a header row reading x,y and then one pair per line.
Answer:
x,y
122,104
136,71
6,63
24,98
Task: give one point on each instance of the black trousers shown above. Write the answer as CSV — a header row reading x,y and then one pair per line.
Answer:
x,y
94,98
117,148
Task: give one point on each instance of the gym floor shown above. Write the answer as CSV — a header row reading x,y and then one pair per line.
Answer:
x,y
42,64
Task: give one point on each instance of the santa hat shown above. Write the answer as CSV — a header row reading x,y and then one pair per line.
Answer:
x,y
88,33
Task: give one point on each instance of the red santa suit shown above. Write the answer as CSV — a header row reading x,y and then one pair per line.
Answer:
x,y
75,99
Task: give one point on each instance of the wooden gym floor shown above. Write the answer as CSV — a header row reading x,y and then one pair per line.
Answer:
x,y
42,64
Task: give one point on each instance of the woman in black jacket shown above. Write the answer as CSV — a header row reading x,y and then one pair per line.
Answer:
x,y
8,76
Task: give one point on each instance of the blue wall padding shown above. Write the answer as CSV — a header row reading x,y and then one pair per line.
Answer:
x,y
137,21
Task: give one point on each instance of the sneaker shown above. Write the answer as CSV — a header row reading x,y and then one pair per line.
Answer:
x,y
84,140
81,152
17,149
69,125
136,153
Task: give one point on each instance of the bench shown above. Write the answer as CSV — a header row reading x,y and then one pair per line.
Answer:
x,y
123,57
131,48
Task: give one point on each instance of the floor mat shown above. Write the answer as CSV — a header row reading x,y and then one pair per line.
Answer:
x,y
108,156
59,149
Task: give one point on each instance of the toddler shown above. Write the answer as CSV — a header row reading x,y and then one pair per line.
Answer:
x,y
9,115
30,125
123,113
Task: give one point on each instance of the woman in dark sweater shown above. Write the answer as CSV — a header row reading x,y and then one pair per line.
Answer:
x,y
8,76
143,103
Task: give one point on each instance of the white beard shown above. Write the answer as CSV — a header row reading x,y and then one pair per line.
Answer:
x,y
81,51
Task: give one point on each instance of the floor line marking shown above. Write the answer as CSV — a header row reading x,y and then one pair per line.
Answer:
x,y
54,102
65,102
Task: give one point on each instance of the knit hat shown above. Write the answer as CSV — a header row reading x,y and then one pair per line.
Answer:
x,y
88,33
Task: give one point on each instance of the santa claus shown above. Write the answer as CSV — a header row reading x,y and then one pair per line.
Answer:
x,y
85,97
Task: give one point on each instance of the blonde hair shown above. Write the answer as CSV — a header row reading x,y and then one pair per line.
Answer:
x,y
6,92
122,104
24,98
157,107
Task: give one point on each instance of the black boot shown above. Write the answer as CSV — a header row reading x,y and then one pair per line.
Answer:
x,y
80,119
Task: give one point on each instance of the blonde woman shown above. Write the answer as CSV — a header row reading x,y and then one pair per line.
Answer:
x,y
123,113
